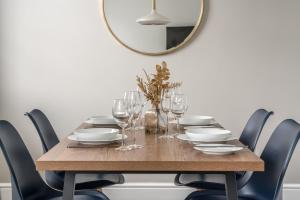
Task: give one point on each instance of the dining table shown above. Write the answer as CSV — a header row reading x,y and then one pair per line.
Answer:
x,y
159,156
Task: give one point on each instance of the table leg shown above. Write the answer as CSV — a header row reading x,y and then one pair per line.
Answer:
x,y
231,186
69,186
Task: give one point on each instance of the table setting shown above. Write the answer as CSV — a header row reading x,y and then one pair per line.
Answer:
x,y
165,119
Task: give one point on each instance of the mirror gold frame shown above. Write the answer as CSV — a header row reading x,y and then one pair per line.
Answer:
x,y
190,36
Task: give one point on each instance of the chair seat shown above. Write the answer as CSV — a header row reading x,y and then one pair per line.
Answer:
x,y
84,181
90,181
77,197
82,195
211,195
203,181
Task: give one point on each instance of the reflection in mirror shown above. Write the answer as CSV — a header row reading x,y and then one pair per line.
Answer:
x,y
154,18
122,18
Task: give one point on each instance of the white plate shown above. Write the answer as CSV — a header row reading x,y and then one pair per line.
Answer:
x,y
212,145
219,150
195,120
105,119
96,133
118,138
204,126
184,137
208,134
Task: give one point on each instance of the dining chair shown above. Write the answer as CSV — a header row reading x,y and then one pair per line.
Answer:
x,y
28,182
276,155
249,137
56,179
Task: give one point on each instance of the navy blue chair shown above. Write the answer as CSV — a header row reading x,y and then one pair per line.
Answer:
x,y
276,155
249,137
28,182
56,179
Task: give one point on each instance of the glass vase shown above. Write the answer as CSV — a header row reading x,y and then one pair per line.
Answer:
x,y
154,121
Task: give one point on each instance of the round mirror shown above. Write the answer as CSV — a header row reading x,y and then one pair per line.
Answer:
x,y
152,27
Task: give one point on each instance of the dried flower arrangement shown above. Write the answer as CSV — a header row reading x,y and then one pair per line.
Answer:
x,y
155,84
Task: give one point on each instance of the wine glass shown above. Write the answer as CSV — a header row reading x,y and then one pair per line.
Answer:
x,y
178,107
134,106
143,101
166,108
121,116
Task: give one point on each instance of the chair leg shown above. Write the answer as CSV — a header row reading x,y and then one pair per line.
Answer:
x,y
15,194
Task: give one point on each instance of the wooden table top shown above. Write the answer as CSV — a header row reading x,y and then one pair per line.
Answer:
x,y
158,155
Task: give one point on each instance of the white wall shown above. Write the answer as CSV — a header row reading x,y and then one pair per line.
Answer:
x,y
58,56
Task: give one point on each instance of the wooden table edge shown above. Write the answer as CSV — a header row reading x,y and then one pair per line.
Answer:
x,y
136,166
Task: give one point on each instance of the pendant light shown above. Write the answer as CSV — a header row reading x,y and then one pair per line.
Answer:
x,y
154,18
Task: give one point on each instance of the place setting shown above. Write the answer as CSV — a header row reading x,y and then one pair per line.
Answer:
x,y
210,140
207,136
106,129
95,137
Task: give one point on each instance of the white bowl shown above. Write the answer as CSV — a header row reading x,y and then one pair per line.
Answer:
x,y
96,134
197,120
208,134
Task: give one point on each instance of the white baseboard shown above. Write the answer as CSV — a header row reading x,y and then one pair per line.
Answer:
x,y
150,191
147,191
5,191
291,191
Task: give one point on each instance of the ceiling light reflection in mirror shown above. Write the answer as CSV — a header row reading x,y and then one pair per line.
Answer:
x,y
182,20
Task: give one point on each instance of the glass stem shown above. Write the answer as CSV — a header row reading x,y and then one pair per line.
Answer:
x,y
123,138
167,126
157,121
142,109
134,133
178,127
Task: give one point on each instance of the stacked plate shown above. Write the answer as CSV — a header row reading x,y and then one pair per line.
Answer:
x,y
197,120
96,136
202,131
101,120
206,135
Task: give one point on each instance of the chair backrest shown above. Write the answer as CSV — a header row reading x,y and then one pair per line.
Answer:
x,y
22,168
276,155
44,129
253,128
